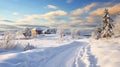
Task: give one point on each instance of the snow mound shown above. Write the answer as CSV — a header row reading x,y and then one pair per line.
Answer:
x,y
107,52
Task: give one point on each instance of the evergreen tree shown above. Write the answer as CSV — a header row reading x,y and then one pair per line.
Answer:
x,y
27,32
97,33
107,28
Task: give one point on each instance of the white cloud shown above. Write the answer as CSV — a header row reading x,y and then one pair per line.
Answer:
x,y
55,14
50,16
115,9
88,7
15,13
73,18
52,7
80,11
69,1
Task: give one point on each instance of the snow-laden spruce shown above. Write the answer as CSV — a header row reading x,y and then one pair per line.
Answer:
x,y
106,31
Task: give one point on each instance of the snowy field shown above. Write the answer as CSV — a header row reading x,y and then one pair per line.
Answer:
x,y
50,51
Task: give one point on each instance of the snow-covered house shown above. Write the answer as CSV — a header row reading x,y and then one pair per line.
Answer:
x,y
33,32
36,31
49,31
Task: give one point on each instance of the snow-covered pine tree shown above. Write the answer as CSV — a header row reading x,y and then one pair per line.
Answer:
x,y
75,33
97,33
27,33
61,34
107,28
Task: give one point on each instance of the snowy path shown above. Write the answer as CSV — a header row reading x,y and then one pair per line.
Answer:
x,y
75,54
67,57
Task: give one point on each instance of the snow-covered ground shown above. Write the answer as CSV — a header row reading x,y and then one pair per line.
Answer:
x,y
50,51
107,52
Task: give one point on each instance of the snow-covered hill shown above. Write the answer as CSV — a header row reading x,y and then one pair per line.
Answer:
x,y
51,52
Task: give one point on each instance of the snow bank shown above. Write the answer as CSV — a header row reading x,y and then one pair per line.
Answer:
x,y
107,52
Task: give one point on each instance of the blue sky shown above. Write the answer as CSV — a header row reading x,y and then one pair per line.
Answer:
x,y
53,12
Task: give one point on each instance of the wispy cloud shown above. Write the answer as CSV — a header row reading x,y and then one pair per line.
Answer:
x,y
80,11
79,17
69,1
52,7
5,20
6,25
15,13
48,16
115,9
